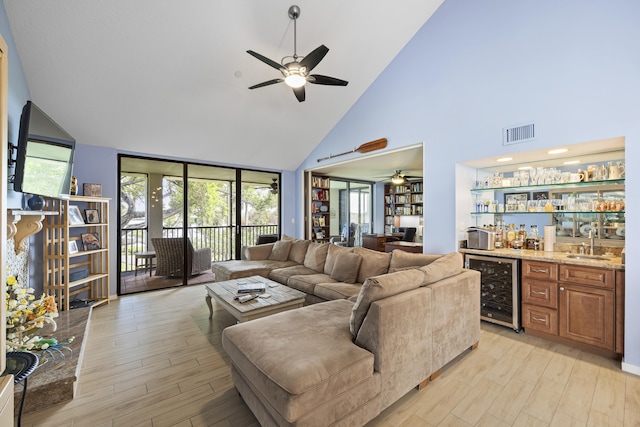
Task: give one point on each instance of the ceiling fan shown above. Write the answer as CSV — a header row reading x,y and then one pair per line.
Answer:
x,y
399,178
295,69
273,187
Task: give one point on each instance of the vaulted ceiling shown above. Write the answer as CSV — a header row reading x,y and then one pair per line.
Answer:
x,y
171,78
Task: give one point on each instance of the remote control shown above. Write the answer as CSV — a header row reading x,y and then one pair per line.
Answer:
x,y
245,298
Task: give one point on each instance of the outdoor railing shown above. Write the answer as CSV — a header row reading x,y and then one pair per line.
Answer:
x,y
221,240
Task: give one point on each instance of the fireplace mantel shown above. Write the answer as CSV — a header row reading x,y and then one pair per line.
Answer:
x,y
23,224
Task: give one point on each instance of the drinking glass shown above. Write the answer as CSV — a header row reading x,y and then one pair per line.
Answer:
x,y
524,178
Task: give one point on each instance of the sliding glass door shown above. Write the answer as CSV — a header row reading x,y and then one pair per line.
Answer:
x,y
353,215
203,213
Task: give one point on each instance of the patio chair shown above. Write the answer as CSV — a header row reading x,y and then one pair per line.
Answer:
x,y
169,252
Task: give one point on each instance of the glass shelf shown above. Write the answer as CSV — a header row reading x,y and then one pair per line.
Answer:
x,y
548,213
561,186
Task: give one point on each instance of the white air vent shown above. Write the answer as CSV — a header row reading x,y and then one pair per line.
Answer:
x,y
518,134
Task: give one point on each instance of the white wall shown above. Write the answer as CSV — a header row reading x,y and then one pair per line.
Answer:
x,y
572,67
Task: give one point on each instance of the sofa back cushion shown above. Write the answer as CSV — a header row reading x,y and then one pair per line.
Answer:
x,y
379,287
446,266
374,263
333,253
346,266
298,248
402,260
280,250
316,256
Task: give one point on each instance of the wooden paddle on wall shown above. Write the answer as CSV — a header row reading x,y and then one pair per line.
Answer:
x,y
378,144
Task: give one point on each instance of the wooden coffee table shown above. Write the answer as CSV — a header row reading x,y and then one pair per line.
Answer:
x,y
282,298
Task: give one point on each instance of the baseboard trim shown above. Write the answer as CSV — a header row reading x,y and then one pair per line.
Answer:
x,y
632,369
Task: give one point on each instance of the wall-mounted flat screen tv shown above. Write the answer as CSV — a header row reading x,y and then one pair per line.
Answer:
x,y
44,163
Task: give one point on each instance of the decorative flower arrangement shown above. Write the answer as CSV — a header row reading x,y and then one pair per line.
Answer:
x,y
25,315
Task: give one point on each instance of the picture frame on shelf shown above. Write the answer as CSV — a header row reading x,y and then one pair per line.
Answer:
x,y
92,215
514,198
92,190
540,195
91,241
73,247
75,217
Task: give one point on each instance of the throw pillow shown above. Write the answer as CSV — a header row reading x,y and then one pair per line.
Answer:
x,y
374,263
316,256
346,266
401,259
445,266
298,248
333,253
376,288
280,250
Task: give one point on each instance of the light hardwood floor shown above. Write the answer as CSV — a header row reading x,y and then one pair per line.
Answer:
x,y
155,359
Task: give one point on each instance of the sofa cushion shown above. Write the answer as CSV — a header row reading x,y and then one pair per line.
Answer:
x,y
379,287
298,248
307,282
333,253
400,260
326,364
446,266
345,267
316,256
236,269
374,263
338,290
280,250
281,275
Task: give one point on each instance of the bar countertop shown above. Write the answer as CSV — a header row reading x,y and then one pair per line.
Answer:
x,y
611,262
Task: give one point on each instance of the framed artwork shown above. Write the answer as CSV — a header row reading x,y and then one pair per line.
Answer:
x,y
540,195
91,241
92,215
75,217
93,190
514,198
73,247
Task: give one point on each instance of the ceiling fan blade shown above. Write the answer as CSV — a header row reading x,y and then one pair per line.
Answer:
x,y
267,83
310,61
299,92
266,60
326,80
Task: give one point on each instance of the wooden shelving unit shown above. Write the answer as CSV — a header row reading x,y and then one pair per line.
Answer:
x,y
68,272
320,208
405,199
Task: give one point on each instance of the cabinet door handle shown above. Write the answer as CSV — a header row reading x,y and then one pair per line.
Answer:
x,y
538,270
561,288
538,293
538,319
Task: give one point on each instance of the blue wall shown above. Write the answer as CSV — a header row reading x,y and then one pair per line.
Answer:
x,y
17,97
573,67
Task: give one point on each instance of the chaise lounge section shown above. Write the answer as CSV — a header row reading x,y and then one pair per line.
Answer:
x,y
341,362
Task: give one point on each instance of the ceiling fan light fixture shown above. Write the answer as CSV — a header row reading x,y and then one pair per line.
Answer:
x,y
397,180
295,80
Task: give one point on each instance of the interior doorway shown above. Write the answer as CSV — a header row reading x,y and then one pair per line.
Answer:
x,y
178,217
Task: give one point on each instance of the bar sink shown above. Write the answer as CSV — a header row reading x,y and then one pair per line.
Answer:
x,y
589,257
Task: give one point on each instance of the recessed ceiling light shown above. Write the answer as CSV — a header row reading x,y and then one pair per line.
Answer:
x,y
504,159
558,151
572,162
524,168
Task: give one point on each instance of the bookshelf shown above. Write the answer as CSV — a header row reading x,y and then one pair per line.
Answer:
x,y
405,199
320,208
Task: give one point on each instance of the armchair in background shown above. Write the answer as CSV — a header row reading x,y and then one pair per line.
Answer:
x,y
170,260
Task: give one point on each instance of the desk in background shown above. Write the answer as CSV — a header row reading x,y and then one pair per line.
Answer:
x,y
377,241
403,246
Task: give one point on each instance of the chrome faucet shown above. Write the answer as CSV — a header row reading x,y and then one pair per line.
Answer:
x,y
592,236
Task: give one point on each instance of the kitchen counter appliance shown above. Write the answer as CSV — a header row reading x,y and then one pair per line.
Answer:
x,y
481,238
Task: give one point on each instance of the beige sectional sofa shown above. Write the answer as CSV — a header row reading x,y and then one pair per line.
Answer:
x,y
323,271
341,362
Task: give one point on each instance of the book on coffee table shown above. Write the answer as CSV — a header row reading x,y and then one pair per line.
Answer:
x,y
245,288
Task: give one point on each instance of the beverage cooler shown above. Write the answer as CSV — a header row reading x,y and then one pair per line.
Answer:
x,y
499,289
